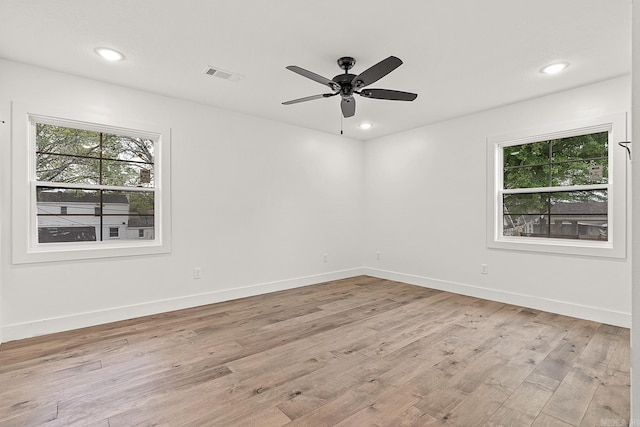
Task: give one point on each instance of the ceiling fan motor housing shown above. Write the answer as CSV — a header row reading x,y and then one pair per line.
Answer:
x,y
345,80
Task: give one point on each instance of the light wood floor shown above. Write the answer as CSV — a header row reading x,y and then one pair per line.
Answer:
x,y
355,352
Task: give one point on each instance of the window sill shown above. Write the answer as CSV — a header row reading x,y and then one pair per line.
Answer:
x,y
558,246
68,252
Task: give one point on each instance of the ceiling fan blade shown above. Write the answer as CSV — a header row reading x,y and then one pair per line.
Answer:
x,y
393,95
348,106
313,76
376,72
309,98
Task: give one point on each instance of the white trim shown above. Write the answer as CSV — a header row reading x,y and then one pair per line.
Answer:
x,y
92,186
558,189
596,314
87,124
18,331
25,248
616,246
558,131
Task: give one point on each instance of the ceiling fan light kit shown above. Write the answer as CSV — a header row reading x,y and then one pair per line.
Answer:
x,y
347,84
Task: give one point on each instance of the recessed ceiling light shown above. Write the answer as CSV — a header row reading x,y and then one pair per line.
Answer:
x,y
554,68
109,54
366,126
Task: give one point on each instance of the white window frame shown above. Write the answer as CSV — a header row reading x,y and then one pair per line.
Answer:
x,y
615,246
25,245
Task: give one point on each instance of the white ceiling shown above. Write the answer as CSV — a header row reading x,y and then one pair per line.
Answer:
x,y
460,56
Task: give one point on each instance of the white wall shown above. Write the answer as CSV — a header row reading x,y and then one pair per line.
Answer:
x,y
425,212
256,205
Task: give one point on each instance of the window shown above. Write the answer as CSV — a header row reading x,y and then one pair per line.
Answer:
x,y
107,172
89,187
555,191
556,188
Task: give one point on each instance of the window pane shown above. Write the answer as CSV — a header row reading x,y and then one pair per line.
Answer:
x,y
94,215
526,154
115,203
83,230
526,177
581,173
76,224
524,225
128,227
136,220
583,227
72,155
578,160
593,202
131,202
127,174
62,140
57,168
127,148
78,202
525,204
525,214
569,215
590,146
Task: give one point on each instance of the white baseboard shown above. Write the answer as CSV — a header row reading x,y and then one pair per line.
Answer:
x,y
596,314
81,320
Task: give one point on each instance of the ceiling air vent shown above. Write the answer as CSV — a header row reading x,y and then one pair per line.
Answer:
x,y
223,74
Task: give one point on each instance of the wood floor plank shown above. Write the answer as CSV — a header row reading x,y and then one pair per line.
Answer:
x,y
358,351
477,408
440,403
506,416
609,404
412,417
384,410
545,420
529,399
572,398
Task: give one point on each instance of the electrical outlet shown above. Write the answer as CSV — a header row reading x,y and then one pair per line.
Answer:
x,y
326,258
484,269
378,255
196,272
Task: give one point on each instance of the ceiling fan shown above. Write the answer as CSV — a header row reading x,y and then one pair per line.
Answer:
x,y
347,84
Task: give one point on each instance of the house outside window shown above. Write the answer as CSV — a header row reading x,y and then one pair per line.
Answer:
x,y
559,189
